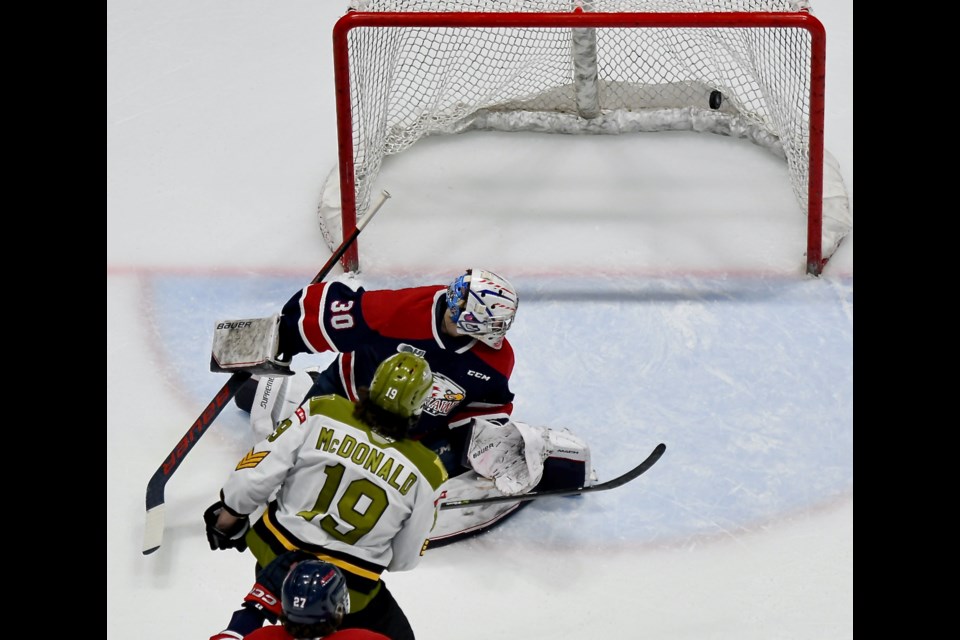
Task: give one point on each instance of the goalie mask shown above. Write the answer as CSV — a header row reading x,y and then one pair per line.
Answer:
x,y
483,305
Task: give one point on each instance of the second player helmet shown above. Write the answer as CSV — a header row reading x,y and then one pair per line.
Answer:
x,y
315,593
401,383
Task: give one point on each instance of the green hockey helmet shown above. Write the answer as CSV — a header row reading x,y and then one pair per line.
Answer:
x,y
401,383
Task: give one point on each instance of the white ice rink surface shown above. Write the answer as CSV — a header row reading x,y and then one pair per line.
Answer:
x,y
663,299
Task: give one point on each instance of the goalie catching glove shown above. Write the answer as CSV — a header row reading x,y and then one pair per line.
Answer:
x,y
518,456
233,537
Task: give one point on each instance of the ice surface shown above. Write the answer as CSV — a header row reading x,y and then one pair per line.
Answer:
x,y
663,299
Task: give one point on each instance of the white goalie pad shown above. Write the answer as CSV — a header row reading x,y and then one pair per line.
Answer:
x,y
507,459
559,445
513,455
453,524
500,452
248,345
276,398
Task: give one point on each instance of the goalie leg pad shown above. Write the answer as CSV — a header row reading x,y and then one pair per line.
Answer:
x,y
497,451
518,456
565,457
456,524
275,399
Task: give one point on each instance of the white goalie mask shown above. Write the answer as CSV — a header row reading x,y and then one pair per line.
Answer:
x,y
491,304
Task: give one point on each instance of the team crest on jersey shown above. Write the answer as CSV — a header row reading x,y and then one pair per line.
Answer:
x,y
444,396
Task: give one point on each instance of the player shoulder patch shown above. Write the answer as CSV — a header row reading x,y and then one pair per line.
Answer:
x,y
252,459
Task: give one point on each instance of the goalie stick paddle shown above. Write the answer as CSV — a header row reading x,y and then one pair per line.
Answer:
x,y
153,530
533,495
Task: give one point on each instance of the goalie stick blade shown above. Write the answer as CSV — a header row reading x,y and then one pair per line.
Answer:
x,y
603,486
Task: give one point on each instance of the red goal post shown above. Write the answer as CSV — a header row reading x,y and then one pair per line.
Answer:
x,y
752,69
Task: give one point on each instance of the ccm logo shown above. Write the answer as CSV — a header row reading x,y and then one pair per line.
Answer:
x,y
262,595
234,325
477,374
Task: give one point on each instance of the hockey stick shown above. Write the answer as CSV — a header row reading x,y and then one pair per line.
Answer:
x,y
153,530
603,486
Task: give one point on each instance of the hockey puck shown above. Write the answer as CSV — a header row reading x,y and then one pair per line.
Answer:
x,y
716,99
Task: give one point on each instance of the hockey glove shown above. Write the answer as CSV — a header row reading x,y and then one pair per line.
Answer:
x,y
232,539
263,600
270,582
272,576
496,451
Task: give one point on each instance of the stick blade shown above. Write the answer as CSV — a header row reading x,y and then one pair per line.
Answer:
x,y
533,495
153,529
633,473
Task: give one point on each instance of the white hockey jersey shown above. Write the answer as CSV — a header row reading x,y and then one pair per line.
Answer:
x,y
341,486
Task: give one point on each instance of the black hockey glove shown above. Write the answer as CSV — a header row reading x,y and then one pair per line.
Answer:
x,y
232,539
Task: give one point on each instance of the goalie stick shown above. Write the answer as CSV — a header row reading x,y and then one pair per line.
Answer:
x,y
153,530
533,495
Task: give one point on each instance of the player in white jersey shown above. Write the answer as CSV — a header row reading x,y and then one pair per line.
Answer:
x,y
342,481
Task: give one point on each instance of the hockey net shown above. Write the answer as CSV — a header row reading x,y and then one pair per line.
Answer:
x,y
751,69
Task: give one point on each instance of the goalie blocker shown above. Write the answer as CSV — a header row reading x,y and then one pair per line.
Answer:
x,y
249,345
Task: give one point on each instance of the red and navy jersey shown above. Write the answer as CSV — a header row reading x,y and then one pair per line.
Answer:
x,y
470,378
277,632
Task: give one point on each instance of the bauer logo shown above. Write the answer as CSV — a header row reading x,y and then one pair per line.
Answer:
x,y
239,324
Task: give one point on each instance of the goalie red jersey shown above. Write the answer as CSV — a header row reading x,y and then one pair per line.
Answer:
x,y
471,377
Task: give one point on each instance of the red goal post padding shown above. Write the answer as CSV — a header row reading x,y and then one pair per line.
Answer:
x,y
757,74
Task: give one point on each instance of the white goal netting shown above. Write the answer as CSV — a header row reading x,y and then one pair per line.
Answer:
x,y
750,69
